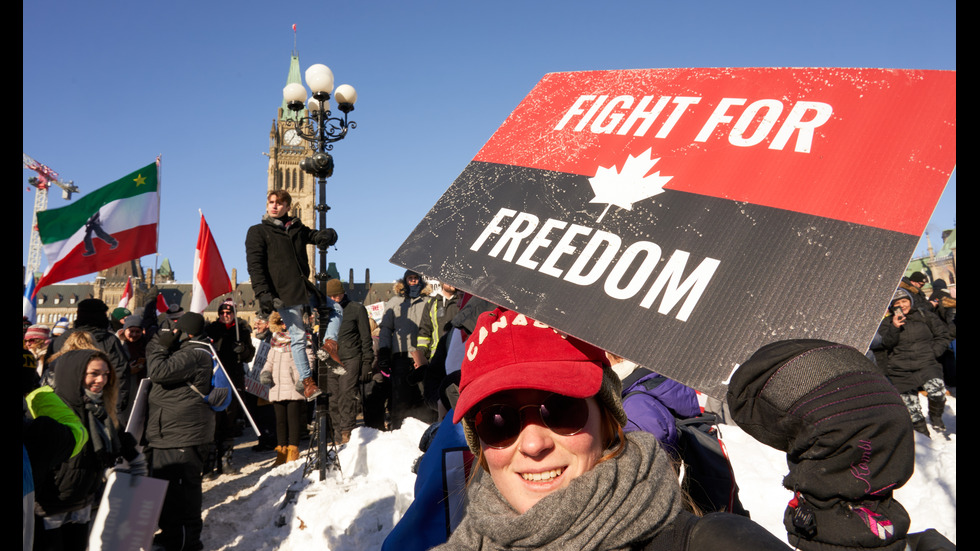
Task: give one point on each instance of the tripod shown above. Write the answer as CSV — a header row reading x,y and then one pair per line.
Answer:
x,y
323,454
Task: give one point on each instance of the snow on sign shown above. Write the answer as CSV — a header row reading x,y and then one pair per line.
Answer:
x,y
682,218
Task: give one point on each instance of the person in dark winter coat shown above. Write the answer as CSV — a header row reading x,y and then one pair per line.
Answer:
x,y
915,339
65,496
232,339
356,351
542,413
913,285
275,252
91,317
944,305
180,427
134,338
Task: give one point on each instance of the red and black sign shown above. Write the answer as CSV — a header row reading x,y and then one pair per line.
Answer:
x,y
682,218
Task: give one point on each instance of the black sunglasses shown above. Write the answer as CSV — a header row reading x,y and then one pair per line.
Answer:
x,y
499,425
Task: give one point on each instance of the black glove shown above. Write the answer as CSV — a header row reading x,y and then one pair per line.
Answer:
x,y
384,360
366,372
278,304
325,238
169,338
239,348
266,303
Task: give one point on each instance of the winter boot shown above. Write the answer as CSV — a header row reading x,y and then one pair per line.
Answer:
x,y
212,466
292,453
920,426
936,407
344,437
310,390
332,350
227,467
280,456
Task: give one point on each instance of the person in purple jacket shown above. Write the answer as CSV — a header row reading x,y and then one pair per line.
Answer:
x,y
652,401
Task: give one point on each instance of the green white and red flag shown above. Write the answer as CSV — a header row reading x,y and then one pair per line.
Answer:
x,y
113,224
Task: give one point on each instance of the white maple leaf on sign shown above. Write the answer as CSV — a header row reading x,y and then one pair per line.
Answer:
x,y
631,184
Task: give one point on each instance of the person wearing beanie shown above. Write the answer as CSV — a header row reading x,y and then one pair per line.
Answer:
x,y
944,304
232,339
275,253
543,415
914,339
60,327
397,342
913,283
37,339
180,426
134,339
356,352
92,317
118,317
848,441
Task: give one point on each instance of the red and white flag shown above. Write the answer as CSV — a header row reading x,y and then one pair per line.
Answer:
x,y
162,305
127,294
210,277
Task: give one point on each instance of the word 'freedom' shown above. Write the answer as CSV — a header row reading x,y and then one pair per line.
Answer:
x,y
597,259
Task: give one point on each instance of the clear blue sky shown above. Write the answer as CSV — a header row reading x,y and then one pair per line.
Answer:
x,y
108,86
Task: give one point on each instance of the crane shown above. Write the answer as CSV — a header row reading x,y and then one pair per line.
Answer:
x,y
45,177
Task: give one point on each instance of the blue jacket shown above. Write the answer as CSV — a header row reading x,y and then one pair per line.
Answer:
x,y
653,409
439,491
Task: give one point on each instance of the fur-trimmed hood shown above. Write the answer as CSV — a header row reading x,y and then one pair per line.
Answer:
x,y
401,289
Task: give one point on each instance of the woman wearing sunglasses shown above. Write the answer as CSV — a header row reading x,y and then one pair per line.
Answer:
x,y
543,415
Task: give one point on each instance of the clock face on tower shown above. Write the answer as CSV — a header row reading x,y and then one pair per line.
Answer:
x,y
292,138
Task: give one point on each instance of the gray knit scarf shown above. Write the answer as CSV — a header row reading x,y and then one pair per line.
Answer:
x,y
620,504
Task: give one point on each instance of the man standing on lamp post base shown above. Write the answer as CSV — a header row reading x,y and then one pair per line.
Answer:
x,y
279,268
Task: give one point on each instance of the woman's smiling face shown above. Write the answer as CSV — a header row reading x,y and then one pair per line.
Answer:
x,y
540,461
96,375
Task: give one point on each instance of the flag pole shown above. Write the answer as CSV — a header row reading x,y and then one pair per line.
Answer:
x,y
233,389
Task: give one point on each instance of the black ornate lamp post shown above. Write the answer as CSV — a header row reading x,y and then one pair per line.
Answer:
x,y
321,130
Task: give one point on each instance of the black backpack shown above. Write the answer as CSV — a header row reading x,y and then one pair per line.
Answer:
x,y
708,475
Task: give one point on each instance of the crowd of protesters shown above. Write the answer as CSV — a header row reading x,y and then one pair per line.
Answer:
x,y
545,449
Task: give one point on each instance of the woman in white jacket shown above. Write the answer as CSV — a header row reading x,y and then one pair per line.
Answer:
x,y
281,376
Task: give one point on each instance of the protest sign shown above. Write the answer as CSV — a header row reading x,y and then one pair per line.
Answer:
x,y
137,416
682,218
128,513
254,368
376,311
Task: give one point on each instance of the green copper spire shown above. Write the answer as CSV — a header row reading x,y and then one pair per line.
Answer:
x,y
294,76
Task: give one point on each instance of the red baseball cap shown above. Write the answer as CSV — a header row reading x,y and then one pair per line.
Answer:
x,y
510,351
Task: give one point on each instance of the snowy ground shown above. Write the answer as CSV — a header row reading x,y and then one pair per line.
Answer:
x,y
355,510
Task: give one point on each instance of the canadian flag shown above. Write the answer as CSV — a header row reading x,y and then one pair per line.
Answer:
x,y
210,277
127,294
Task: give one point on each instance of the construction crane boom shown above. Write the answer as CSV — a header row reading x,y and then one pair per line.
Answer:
x,y
45,177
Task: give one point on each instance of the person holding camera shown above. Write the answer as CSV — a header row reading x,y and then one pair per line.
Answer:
x,y
232,340
275,253
914,339
180,426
